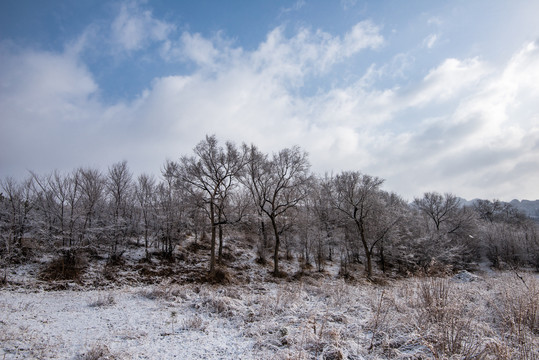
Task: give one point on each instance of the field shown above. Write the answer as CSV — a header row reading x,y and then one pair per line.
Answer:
x,y
133,311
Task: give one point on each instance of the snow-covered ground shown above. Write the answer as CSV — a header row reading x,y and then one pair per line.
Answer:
x,y
130,323
310,318
165,310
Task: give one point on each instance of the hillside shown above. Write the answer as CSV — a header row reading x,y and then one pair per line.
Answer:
x,y
529,207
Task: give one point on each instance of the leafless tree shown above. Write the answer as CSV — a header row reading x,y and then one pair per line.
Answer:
x,y
437,207
211,175
356,197
73,190
277,186
92,185
49,220
145,195
18,205
119,187
170,208
385,226
326,218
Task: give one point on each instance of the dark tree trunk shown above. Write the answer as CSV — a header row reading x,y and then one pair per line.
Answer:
x,y
277,244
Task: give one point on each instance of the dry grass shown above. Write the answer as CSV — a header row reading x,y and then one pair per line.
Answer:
x,y
103,300
493,317
97,352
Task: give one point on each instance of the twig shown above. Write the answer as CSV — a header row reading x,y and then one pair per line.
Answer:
x,y
520,277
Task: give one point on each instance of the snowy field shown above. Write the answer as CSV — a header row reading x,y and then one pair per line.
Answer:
x,y
490,316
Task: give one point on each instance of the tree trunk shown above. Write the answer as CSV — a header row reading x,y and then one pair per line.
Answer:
x,y
219,219
382,257
277,243
368,265
212,244
146,241
264,234
220,259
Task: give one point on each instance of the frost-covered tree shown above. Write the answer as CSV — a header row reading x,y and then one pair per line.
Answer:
x,y
321,220
437,207
145,197
92,189
210,175
509,237
278,185
356,198
170,208
119,188
17,205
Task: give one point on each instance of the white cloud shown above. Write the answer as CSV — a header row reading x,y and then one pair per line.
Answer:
x,y
430,41
295,7
466,127
310,53
194,47
134,27
49,110
43,83
447,81
487,144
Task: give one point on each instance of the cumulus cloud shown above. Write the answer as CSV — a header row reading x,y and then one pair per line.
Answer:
x,y
487,143
46,100
447,81
466,127
310,52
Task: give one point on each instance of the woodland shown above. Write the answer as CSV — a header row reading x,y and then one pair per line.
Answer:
x,y
229,218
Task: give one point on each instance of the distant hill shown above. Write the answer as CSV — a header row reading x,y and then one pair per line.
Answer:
x,y
528,207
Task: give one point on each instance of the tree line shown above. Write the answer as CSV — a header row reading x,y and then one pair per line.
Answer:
x,y
271,199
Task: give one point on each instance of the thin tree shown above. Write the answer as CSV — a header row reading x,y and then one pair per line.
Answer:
x,y
357,199
437,207
144,192
210,175
119,188
278,185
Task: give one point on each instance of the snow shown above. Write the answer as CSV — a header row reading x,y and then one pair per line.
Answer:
x,y
314,316
64,325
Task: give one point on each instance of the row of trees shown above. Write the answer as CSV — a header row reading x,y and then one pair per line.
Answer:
x,y
226,189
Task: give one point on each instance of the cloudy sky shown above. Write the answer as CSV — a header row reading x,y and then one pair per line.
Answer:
x,y
429,95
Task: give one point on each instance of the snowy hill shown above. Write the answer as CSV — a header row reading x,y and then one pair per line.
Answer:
x,y
528,207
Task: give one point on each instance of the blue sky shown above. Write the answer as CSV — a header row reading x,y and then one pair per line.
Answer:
x,y
429,95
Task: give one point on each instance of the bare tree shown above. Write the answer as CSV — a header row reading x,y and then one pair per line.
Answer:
x,y
119,188
19,204
390,213
144,192
253,175
438,208
73,190
278,185
325,219
356,197
170,207
49,220
211,175
92,185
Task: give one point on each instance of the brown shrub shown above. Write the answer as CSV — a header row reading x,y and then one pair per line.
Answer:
x,y
219,276
69,265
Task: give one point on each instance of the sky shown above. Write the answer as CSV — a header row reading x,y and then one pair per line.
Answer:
x,y
428,95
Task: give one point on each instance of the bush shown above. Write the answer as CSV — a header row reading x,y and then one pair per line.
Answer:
x,y
69,265
219,276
